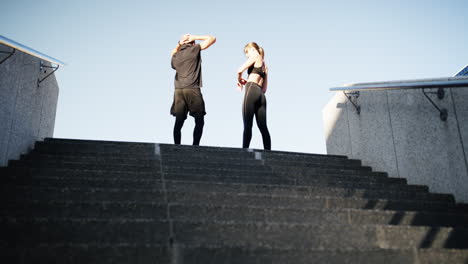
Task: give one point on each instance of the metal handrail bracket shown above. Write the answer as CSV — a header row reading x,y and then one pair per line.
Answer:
x,y
10,53
352,98
49,74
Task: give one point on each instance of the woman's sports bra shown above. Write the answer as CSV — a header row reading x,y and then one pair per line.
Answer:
x,y
257,70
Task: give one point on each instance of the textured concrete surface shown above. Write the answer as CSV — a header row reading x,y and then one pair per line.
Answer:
x,y
82,201
400,132
460,111
27,111
428,150
336,125
372,127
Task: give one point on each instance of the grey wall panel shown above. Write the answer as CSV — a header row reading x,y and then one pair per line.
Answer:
x,y
460,109
27,111
400,132
427,149
371,133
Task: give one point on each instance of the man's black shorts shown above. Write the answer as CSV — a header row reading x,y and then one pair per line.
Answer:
x,y
188,99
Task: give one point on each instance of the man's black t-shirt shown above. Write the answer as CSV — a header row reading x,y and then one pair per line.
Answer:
x,y
187,63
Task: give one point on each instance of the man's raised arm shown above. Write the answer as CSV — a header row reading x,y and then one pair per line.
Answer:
x,y
207,40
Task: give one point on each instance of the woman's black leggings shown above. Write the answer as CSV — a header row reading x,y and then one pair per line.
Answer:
x,y
255,104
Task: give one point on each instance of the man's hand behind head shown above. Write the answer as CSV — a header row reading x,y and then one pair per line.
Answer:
x,y
184,39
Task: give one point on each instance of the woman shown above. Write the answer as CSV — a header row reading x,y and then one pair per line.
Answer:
x,y
255,88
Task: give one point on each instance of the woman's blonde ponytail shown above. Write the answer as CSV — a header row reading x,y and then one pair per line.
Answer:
x,y
262,52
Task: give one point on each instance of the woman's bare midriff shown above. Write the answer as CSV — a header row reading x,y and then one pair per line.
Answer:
x,y
256,78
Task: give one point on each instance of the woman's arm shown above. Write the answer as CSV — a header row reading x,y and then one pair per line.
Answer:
x,y
250,61
265,80
241,81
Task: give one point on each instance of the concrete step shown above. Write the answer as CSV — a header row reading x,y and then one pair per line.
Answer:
x,y
76,193
28,193
197,156
86,182
264,170
90,141
256,164
347,164
89,253
149,166
247,159
76,148
320,180
127,148
163,254
312,202
182,164
29,173
45,160
170,148
205,153
246,213
221,172
217,175
22,175
271,156
219,155
82,209
241,255
250,156
231,233
365,190
236,189
110,163
92,159
192,167
35,231
292,159
99,155
24,196
332,170
307,236
315,216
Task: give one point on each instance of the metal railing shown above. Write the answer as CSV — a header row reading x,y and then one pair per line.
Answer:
x,y
43,57
463,71
351,91
18,46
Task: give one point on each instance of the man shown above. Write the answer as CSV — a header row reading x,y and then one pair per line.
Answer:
x,y
186,60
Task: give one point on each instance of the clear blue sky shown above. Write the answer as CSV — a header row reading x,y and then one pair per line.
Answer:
x,y
119,83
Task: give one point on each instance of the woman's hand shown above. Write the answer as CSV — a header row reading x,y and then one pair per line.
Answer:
x,y
240,81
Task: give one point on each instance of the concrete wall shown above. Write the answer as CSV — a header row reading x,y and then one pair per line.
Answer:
x,y
27,112
401,133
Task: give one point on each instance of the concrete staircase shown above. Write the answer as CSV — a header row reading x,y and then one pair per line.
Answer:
x,y
76,201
